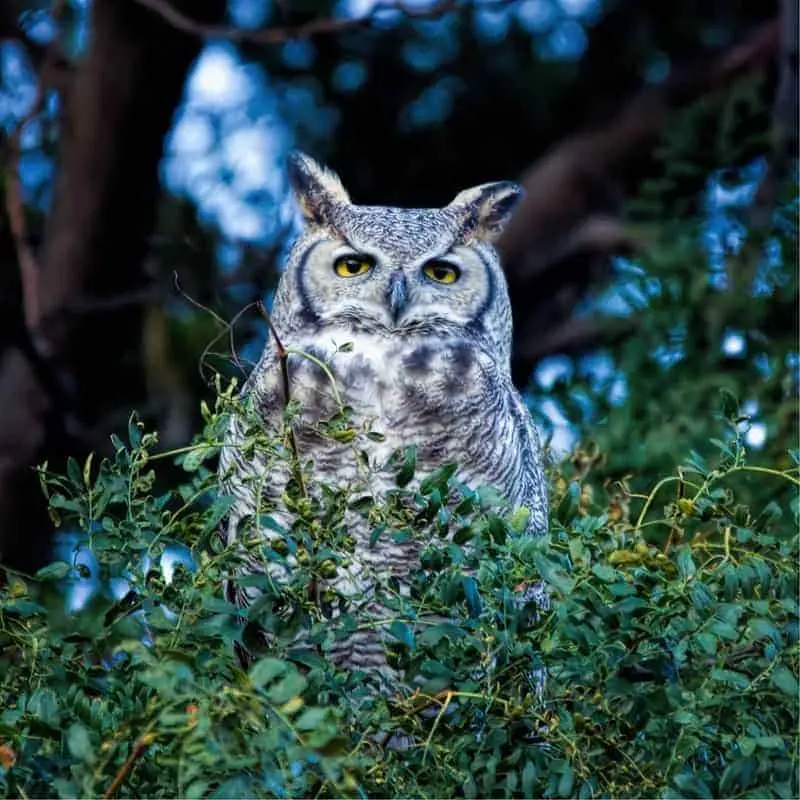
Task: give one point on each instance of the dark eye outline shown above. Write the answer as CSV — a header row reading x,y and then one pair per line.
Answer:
x,y
362,263
450,272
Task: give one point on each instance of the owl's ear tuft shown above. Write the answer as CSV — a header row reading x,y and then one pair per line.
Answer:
x,y
488,207
317,190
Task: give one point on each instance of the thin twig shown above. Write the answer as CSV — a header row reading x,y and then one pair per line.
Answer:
x,y
142,743
316,27
228,326
283,360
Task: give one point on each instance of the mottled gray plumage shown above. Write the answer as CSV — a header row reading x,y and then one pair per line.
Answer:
x,y
430,362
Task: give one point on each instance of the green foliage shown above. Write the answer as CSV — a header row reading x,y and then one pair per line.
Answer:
x,y
671,646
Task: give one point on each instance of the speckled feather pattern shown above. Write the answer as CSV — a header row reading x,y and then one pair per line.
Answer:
x,y
438,377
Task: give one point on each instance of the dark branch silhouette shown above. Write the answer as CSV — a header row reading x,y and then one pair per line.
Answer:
x,y
317,27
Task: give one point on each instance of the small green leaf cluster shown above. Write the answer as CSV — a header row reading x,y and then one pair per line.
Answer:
x,y
670,645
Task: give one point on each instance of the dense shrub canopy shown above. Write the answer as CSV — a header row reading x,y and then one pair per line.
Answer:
x,y
671,648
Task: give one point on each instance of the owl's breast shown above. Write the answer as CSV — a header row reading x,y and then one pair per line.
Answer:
x,y
420,382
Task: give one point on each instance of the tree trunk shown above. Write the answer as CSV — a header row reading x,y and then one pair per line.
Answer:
x,y
69,368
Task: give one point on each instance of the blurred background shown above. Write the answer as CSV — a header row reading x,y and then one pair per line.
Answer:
x,y
145,206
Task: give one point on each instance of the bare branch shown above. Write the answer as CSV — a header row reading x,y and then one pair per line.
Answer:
x,y
316,27
573,336
283,359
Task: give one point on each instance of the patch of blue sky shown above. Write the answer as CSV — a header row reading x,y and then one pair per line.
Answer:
x,y
565,41
228,147
36,172
588,10
755,431
228,254
249,13
553,369
304,97
562,435
432,106
17,84
536,16
74,550
492,24
434,43
250,352
298,53
349,76
40,26
764,364
756,436
219,80
672,351
423,56
771,270
734,344
723,234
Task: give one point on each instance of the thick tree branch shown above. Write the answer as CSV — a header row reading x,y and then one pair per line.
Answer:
x,y
563,186
575,336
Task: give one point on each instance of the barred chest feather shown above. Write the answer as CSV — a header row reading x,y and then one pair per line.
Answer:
x,y
438,395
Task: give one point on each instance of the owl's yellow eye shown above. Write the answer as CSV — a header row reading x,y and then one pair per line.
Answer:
x,y
352,266
441,272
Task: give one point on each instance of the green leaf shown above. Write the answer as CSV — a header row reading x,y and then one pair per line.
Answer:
x,y
53,572
196,789
222,504
266,670
604,572
431,636
74,472
79,742
568,506
438,480
195,457
311,718
134,432
685,563
770,742
553,573
402,633
566,783
286,688
407,468
727,676
529,774
472,595
785,680
747,745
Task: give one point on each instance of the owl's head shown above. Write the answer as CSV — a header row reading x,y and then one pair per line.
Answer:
x,y
395,270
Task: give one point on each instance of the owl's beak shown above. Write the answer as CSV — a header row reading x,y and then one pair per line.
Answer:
x,y
397,294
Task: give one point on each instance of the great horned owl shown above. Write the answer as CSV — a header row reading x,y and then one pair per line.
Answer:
x,y
420,298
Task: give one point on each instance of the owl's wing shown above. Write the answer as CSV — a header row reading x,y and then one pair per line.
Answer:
x,y
243,470
532,485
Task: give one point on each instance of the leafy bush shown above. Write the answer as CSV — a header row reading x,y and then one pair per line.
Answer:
x,y
671,647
